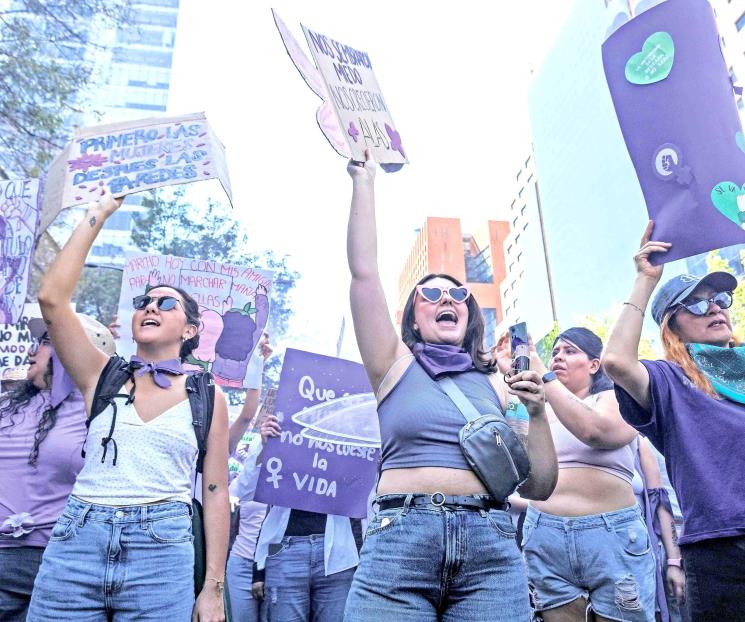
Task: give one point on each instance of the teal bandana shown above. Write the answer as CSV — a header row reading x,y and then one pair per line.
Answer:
x,y
723,367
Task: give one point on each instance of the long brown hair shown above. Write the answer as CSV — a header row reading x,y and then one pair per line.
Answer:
x,y
676,351
474,337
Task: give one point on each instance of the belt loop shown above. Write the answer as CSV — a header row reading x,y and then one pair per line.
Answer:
x,y
83,514
407,502
608,523
143,517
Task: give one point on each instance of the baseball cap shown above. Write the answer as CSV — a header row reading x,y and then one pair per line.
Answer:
x,y
678,288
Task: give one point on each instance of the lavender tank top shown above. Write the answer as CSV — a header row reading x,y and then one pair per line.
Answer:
x,y
572,453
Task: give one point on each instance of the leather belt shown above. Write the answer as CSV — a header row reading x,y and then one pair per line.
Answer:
x,y
440,500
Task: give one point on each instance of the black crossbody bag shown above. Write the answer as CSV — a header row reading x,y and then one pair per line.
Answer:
x,y
491,448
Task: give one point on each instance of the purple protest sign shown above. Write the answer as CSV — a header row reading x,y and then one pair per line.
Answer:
x,y
675,104
326,459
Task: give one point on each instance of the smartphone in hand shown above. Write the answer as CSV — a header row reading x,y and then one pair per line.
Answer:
x,y
519,347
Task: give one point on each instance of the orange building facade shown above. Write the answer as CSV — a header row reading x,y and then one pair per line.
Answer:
x,y
475,259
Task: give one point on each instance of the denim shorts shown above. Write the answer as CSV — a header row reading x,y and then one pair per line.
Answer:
x,y
430,563
606,558
129,563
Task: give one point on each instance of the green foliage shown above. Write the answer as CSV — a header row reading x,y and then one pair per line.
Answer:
x,y
172,225
545,345
603,324
97,293
46,62
715,262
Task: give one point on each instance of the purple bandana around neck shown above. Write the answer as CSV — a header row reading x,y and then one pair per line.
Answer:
x,y
158,369
438,359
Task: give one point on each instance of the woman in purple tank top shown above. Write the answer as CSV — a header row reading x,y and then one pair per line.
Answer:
x,y
587,546
42,429
439,547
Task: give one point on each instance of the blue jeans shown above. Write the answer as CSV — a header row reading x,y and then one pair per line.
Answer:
x,y
125,563
239,576
297,589
18,568
422,564
606,558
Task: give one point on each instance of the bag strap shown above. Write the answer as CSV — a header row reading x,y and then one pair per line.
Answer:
x,y
466,408
200,388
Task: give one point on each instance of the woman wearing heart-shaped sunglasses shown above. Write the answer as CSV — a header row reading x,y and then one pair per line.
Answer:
x,y
691,406
439,546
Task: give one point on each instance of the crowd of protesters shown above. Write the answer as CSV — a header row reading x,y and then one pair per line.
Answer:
x,y
96,510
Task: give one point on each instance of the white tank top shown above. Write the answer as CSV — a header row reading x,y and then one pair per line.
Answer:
x,y
155,460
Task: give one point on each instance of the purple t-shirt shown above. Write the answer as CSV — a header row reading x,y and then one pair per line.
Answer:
x,y
703,442
33,496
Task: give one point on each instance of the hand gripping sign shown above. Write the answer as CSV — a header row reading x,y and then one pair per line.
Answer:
x,y
676,107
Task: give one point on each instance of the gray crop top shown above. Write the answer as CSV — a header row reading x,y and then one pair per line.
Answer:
x,y
419,424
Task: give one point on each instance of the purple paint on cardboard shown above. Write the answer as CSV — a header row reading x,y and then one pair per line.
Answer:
x,y
693,108
306,380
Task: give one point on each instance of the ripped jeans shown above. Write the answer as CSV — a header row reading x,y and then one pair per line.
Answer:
x,y
296,588
606,558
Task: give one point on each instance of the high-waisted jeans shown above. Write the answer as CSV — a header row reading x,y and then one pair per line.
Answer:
x,y
432,563
125,563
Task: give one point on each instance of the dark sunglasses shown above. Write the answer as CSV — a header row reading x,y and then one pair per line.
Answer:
x,y
700,307
165,303
458,293
37,343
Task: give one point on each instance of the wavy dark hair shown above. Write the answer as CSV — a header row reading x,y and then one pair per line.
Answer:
x,y
474,336
12,402
191,309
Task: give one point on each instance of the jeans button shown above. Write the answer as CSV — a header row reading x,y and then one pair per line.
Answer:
x,y
119,514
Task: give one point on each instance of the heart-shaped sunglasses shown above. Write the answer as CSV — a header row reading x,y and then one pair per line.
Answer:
x,y
459,293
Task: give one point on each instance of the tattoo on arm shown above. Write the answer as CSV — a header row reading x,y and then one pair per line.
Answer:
x,y
92,221
212,487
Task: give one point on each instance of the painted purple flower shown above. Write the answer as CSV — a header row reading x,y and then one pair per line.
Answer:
x,y
19,524
395,140
353,131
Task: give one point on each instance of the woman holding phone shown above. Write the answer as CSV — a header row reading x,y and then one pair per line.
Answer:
x,y
439,547
586,546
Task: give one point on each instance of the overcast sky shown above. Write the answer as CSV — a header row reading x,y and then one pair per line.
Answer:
x,y
455,77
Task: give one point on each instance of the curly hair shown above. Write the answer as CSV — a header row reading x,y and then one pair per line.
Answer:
x,y
17,398
474,336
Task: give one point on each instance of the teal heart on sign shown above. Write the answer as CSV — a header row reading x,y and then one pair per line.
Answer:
x,y
654,62
740,140
727,197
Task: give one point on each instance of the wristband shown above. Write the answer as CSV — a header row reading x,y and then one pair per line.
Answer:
x,y
548,376
675,561
639,309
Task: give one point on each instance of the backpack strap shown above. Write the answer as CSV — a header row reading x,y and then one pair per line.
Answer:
x,y
200,388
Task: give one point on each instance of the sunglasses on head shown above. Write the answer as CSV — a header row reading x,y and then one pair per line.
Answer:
x,y
700,306
457,293
165,303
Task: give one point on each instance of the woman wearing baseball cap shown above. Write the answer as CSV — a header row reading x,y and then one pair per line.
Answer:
x,y
691,406
42,429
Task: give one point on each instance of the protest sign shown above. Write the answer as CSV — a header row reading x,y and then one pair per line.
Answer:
x,y
15,340
234,305
19,224
133,156
299,469
675,104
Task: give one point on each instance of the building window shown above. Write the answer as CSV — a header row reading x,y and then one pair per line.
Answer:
x,y
512,205
525,226
509,249
527,162
514,223
519,256
513,285
490,327
517,238
522,210
519,194
478,267
740,23
512,265
517,177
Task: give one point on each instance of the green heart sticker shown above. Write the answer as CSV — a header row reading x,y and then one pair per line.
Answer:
x,y
728,198
654,62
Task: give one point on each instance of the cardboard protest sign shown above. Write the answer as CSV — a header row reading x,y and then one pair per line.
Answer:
x,y
675,104
19,224
234,305
133,156
15,340
326,458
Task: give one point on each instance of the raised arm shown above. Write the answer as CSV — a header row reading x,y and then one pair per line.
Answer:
x,y
377,340
81,359
621,358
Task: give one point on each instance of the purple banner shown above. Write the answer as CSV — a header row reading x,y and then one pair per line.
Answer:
x,y
676,107
325,460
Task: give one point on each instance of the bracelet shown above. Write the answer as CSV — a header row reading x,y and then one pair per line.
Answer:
x,y
675,561
631,304
220,584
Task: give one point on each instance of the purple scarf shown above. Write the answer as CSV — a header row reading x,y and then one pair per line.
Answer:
x,y
158,369
439,359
